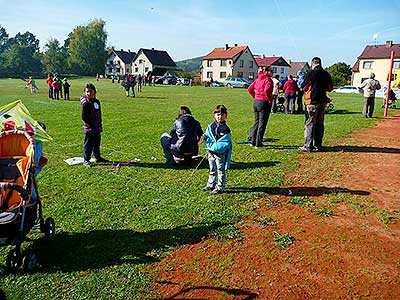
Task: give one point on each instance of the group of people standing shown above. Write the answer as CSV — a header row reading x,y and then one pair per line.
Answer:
x,y
57,86
315,84
130,82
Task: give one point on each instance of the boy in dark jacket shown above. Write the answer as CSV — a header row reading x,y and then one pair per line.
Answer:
x,y
66,86
92,125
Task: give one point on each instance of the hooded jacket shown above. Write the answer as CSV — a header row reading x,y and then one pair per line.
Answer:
x,y
185,134
262,87
316,83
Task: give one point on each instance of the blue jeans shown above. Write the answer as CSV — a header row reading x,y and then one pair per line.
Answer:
x,y
217,169
314,125
91,144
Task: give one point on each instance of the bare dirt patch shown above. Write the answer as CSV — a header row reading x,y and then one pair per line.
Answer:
x,y
353,254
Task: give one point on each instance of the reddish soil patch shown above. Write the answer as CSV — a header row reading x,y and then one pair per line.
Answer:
x,y
351,255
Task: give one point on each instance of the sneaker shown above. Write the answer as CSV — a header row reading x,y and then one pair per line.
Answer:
x,y
208,188
87,163
216,191
261,146
304,149
101,160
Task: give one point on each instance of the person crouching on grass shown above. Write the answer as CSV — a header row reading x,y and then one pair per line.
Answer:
x,y
218,142
92,125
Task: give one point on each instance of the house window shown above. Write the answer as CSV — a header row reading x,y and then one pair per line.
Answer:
x,y
240,74
250,64
367,65
222,75
209,63
118,70
223,62
396,65
251,75
128,70
136,70
146,69
209,74
282,70
109,70
241,63
274,69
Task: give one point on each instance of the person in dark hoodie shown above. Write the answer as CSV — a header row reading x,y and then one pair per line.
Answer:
x,y
182,142
261,90
92,125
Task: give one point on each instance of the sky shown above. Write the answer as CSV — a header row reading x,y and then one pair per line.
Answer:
x,y
336,31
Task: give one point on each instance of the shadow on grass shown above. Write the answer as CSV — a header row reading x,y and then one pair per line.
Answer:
x,y
343,112
253,165
296,191
360,149
70,252
222,292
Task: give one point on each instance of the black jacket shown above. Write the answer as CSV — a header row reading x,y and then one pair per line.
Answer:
x,y
316,83
185,134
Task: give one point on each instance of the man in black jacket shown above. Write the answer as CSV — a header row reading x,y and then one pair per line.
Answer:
x,y
182,142
316,83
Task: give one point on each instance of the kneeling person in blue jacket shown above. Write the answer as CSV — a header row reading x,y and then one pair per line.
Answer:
x,y
218,142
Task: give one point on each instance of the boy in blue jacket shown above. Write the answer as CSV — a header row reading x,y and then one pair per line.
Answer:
x,y
218,142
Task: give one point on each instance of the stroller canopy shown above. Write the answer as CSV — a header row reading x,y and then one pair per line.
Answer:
x,y
15,116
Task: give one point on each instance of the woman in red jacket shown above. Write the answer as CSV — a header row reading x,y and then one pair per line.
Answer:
x,y
261,91
290,89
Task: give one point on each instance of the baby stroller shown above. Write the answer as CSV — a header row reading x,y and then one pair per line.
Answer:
x,y
391,101
21,160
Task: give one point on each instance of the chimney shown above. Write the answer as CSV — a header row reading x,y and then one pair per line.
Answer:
x,y
152,49
235,45
129,50
263,56
389,44
226,47
122,50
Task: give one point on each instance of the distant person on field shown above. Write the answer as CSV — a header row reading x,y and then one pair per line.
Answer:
x,y
275,93
183,139
290,89
129,84
92,125
316,83
139,83
300,92
261,90
49,82
66,86
218,142
370,86
56,88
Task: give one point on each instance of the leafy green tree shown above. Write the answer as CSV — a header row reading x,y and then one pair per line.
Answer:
x,y
87,48
3,38
341,73
54,57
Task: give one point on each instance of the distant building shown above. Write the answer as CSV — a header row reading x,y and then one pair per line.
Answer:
x,y
235,61
151,60
119,62
279,65
296,66
376,59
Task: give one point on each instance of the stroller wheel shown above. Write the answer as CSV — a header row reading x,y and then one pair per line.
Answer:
x,y
49,228
29,260
13,260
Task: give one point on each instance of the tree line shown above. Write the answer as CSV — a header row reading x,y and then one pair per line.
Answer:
x,y
82,53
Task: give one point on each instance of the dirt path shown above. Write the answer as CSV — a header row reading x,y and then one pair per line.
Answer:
x,y
354,254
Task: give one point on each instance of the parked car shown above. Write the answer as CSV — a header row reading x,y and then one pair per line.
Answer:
x,y
166,80
236,82
182,81
216,84
348,89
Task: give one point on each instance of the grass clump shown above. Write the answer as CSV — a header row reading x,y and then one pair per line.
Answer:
x,y
387,216
226,232
323,212
302,201
282,241
266,221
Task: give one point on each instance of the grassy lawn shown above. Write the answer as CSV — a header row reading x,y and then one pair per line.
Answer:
x,y
111,224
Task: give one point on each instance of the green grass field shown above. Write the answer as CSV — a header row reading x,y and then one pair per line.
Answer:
x,y
112,224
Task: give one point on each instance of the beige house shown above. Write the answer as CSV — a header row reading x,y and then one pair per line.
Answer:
x,y
376,59
235,61
119,62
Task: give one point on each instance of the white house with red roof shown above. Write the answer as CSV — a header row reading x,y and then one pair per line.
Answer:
x,y
279,65
297,66
235,61
376,59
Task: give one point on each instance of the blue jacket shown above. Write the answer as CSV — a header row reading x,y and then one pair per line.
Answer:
x,y
221,146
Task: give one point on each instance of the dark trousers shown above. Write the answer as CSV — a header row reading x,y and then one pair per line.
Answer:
x,y
56,93
314,126
274,107
369,104
300,107
91,144
262,109
66,95
51,93
289,102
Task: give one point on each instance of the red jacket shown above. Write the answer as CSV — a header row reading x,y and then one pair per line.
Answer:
x,y
49,82
261,88
290,86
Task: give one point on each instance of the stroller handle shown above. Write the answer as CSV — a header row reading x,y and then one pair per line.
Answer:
x,y
16,187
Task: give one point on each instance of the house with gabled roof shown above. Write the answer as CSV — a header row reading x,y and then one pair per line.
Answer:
x,y
151,60
119,62
235,61
297,66
279,65
376,59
